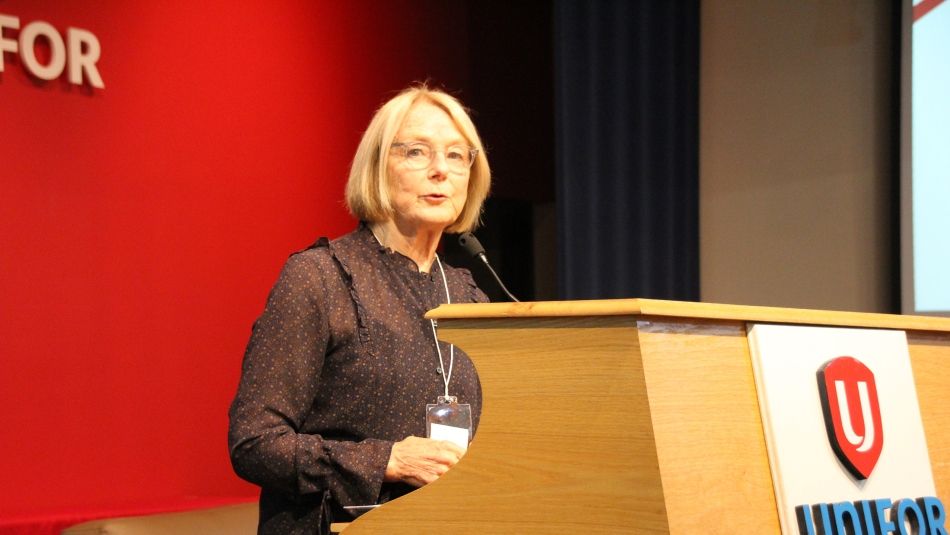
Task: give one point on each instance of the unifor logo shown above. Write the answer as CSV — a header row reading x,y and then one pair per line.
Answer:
x,y
852,414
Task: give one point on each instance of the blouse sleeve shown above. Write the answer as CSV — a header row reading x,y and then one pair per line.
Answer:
x,y
279,381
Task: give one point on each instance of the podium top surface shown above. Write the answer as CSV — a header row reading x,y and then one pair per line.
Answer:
x,y
689,310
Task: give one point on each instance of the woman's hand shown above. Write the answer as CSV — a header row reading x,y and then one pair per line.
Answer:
x,y
420,461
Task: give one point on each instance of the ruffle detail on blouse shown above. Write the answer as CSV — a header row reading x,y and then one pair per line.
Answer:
x,y
361,324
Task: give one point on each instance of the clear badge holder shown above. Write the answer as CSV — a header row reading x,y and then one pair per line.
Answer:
x,y
449,420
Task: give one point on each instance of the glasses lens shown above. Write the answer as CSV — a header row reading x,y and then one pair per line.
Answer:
x,y
457,158
419,156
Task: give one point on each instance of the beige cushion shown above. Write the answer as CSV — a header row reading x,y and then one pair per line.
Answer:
x,y
227,520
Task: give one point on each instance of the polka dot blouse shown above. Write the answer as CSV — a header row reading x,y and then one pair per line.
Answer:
x,y
340,365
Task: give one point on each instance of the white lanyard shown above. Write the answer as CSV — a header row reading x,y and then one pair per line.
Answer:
x,y
446,374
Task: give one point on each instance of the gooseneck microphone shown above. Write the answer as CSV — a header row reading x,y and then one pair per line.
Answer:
x,y
472,246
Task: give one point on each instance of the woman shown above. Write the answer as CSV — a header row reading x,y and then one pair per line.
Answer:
x,y
330,411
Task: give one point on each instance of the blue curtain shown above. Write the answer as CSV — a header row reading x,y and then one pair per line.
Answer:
x,y
626,136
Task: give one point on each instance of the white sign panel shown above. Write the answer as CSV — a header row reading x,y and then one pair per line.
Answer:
x,y
845,440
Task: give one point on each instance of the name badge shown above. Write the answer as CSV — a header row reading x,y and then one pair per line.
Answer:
x,y
449,420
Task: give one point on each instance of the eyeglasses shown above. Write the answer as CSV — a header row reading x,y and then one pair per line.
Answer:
x,y
419,155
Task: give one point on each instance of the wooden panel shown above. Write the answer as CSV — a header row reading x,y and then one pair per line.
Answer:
x,y
686,310
711,449
565,442
930,358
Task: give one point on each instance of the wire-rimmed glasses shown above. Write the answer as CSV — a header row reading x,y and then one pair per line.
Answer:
x,y
419,155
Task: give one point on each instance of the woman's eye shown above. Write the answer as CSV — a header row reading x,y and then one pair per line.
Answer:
x,y
455,154
415,152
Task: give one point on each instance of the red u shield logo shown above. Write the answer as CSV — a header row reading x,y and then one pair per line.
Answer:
x,y
852,414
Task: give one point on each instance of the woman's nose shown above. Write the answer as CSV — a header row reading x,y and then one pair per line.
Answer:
x,y
439,164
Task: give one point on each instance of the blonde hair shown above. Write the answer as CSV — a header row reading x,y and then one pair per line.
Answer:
x,y
367,190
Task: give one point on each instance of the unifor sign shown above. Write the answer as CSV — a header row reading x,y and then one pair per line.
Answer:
x,y
843,428
77,53
852,415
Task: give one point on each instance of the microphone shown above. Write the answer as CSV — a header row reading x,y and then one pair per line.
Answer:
x,y
473,247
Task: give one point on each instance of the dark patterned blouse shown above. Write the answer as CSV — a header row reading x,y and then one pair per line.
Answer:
x,y
340,365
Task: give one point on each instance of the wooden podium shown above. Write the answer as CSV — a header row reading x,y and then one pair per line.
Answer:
x,y
629,416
